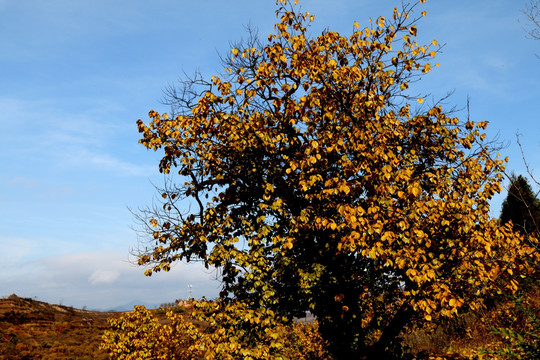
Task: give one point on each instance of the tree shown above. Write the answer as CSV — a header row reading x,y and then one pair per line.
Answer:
x,y
532,13
521,206
312,179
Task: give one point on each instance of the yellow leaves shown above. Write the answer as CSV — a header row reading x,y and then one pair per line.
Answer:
x,y
312,160
415,190
413,30
513,286
405,111
411,273
388,236
356,25
420,100
289,243
344,188
367,32
277,205
332,64
292,166
153,114
143,334
387,172
482,124
269,188
402,225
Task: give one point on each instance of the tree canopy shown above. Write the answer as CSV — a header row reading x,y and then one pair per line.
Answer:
x,y
312,179
521,206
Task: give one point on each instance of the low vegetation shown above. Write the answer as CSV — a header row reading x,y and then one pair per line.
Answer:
x,y
31,329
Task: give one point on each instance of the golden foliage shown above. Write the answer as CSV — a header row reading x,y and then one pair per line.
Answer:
x,y
329,189
140,335
226,332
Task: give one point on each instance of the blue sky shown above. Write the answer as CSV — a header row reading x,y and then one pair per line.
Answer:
x,y
76,75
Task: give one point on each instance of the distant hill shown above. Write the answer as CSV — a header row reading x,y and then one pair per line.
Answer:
x,y
31,329
129,306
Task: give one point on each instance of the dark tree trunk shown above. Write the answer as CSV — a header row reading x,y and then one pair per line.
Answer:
x,y
381,350
344,346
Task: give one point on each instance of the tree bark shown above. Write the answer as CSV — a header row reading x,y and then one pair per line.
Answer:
x,y
380,350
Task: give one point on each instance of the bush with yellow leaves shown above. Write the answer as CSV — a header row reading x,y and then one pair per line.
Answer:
x,y
226,331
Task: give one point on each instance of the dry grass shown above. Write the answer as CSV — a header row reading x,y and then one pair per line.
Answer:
x,y
31,329
475,335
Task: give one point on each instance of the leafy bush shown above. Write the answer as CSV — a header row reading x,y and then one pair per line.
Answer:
x,y
225,331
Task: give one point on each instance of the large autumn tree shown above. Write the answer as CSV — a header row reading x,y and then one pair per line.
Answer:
x,y
311,179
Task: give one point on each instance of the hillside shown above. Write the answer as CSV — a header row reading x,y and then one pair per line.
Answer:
x,y
31,329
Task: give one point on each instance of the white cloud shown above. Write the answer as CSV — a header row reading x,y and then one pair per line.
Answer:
x,y
111,163
14,250
101,280
103,277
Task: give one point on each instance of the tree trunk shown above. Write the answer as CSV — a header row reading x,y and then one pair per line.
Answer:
x,y
381,349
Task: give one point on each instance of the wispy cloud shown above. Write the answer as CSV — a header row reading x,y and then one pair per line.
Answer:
x,y
22,181
112,164
66,139
103,280
103,277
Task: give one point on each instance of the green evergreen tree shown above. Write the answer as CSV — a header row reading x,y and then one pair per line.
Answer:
x,y
522,206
